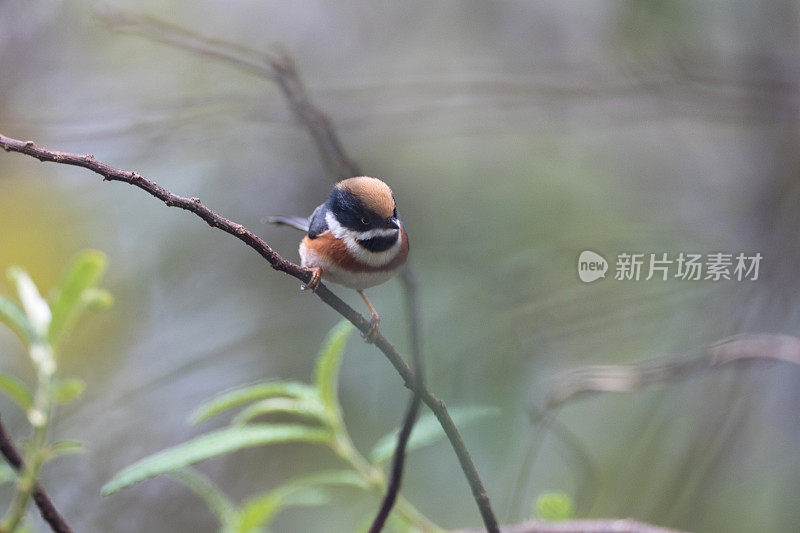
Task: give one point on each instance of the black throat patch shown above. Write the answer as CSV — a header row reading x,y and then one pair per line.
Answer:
x,y
378,244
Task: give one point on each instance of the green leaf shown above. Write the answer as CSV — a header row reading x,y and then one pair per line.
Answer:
x,y
554,506
427,431
216,501
259,511
349,478
257,391
64,447
69,299
7,474
96,299
17,391
213,444
309,409
67,390
36,308
326,372
13,317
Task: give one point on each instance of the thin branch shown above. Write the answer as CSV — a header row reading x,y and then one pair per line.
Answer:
x,y
40,497
594,379
277,262
398,459
280,69
396,475
277,67
630,378
610,525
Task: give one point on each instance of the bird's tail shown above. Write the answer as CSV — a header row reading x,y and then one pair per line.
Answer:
x,y
295,222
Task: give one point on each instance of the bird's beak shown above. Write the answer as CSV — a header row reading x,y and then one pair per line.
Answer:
x,y
391,223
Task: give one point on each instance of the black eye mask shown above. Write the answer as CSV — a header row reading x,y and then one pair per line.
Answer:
x,y
349,211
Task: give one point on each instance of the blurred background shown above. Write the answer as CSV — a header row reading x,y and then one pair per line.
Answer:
x,y
515,135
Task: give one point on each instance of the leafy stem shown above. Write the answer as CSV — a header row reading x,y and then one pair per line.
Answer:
x,y
318,419
39,417
39,324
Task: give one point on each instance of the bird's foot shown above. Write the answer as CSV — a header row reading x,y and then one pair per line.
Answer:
x,y
371,335
313,283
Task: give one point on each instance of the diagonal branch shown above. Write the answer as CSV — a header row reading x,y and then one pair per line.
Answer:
x,y
277,262
279,68
582,381
43,501
393,488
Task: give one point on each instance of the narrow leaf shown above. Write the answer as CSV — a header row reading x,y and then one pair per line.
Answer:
x,y
216,501
36,308
260,510
349,478
17,391
68,300
67,390
13,317
213,444
427,431
258,513
307,497
64,447
308,409
96,299
257,391
326,373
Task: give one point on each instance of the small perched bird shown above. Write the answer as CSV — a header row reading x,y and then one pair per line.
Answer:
x,y
354,239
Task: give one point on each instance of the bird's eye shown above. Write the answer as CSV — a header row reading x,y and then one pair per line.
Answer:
x,y
365,221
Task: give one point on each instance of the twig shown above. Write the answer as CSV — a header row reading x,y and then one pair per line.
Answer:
x,y
593,379
629,378
610,525
398,459
40,497
279,68
396,475
277,262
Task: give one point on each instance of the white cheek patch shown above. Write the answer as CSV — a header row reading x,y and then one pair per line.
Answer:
x,y
349,237
371,234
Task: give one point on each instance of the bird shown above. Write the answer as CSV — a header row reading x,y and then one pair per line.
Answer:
x,y
355,239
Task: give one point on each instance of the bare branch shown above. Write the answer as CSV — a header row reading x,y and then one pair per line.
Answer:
x,y
277,262
630,378
40,497
593,379
395,478
280,68
277,67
